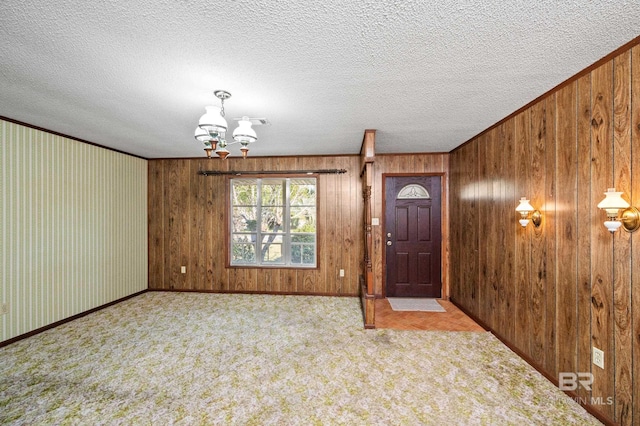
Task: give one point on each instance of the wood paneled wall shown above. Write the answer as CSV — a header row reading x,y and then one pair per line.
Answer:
x,y
188,223
398,164
555,291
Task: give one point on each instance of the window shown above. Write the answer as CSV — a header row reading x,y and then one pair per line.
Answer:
x,y
413,191
273,222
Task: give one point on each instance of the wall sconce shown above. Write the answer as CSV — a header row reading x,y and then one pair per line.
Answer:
x,y
612,204
527,212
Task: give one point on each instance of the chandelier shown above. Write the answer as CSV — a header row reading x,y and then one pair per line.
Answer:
x,y
212,129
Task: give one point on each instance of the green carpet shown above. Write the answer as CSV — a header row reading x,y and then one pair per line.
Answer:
x,y
188,358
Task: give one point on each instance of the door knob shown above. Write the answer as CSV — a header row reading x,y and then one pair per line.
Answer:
x,y
389,243
389,234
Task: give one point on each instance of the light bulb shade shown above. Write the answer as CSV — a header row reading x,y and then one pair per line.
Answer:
x,y
524,206
244,133
612,202
612,225
202,135
212,121
524,222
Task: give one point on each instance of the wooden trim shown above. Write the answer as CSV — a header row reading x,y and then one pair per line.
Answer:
x,y
262,157
273,293
393,154
367,284
295,268
590,409
368,148
367,304
227,222
568,81
42,129
273,173
69,319
368,241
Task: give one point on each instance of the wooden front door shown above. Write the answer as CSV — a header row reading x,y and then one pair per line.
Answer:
x,y
413,236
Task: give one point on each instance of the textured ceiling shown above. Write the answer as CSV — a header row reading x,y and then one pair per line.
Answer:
x,y
428,75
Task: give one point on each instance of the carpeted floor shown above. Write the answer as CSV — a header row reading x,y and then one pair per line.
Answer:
x,y
187,358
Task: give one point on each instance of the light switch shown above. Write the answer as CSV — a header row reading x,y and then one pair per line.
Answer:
x,y
183,269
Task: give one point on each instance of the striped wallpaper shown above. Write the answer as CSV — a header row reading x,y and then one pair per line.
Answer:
x,y
73,227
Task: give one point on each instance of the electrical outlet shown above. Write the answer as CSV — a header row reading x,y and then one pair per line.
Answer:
x,y
598,357
342,272
4,308
183,269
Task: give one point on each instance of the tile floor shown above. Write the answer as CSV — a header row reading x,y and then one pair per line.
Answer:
x,y
452,320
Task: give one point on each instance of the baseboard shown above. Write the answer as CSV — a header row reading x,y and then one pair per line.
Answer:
x,y
274,293
590,409
66,320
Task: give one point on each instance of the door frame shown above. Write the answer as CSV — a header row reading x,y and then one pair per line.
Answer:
x,y
444,228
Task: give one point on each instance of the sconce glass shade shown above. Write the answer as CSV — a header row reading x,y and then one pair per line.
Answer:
x,y
244,133
612,225
212,121
612,202
524,206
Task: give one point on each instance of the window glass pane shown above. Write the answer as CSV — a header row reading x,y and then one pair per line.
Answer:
x,y
308,255
303,192
413,191
303,254
272,249
273,192
245,192
244,238
272,219
303,238
244,219
242,253
303,219
296,254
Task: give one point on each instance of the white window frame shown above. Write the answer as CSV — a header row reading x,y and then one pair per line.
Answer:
x,y
286,226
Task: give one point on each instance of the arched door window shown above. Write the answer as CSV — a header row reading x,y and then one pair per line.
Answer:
x,y
413,191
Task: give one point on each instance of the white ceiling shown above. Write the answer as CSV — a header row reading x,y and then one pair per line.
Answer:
x,y
428,75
